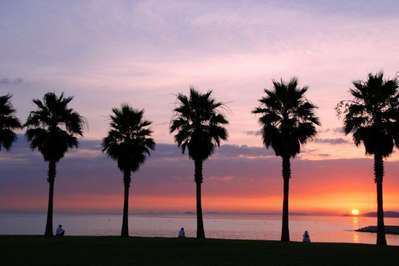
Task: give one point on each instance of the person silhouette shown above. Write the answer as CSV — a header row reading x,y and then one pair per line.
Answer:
x,y
182,233
60,231
306,237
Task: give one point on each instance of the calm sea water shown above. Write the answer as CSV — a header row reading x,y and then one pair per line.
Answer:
x,y
242,226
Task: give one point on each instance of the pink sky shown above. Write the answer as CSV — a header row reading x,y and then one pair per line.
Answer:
x,y
145,52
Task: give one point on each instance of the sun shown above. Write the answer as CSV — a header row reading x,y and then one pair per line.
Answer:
x,y
355,212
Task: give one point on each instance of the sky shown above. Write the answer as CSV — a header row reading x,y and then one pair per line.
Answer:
x,y
146,52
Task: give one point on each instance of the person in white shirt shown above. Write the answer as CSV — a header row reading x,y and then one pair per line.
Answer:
x,y
60,231
182,233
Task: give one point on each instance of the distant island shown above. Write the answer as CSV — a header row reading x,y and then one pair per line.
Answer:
x,y
388,214
389,229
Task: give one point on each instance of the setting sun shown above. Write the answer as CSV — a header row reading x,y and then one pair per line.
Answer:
x,y
355,212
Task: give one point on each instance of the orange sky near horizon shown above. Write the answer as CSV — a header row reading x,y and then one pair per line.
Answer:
x,y
331,198
338,203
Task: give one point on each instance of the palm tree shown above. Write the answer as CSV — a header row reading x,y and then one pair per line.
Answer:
x,y
52,129
128,142
372,116
288,121
8,122
200,128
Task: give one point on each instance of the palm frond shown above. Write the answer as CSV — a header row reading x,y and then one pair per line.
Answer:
x,y
287,118
8,122
198,124
129,140
52,128
372,116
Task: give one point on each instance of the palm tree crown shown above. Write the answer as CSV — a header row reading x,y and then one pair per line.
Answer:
x,y
8,122
199,124
373,114
53,127
287,118
129,140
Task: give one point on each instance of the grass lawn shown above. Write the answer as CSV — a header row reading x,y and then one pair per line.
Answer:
x,y
32,250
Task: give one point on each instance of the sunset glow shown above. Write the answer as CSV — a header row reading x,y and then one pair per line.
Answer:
x,y
144,53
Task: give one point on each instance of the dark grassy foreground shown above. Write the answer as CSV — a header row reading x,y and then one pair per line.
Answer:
x,y
24,250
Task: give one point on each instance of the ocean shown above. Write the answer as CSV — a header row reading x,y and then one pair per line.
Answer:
x,y
228,226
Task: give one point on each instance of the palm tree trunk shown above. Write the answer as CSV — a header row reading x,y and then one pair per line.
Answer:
x,y
50,180
198,182
125,219
379,174
285,233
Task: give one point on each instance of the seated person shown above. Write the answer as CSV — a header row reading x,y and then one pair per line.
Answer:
x,y
182,234
60,231
306,237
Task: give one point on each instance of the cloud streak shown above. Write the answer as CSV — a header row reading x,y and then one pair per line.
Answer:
x,y
332,141
10,81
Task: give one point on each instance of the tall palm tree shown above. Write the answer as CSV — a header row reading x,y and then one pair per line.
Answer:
x,y
128,142
52,129
372,116
288,121
199,127
8,122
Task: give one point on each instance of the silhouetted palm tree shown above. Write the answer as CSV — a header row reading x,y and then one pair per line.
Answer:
x,y
8,122
199,126
372,116
53,129
288,120
128,142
